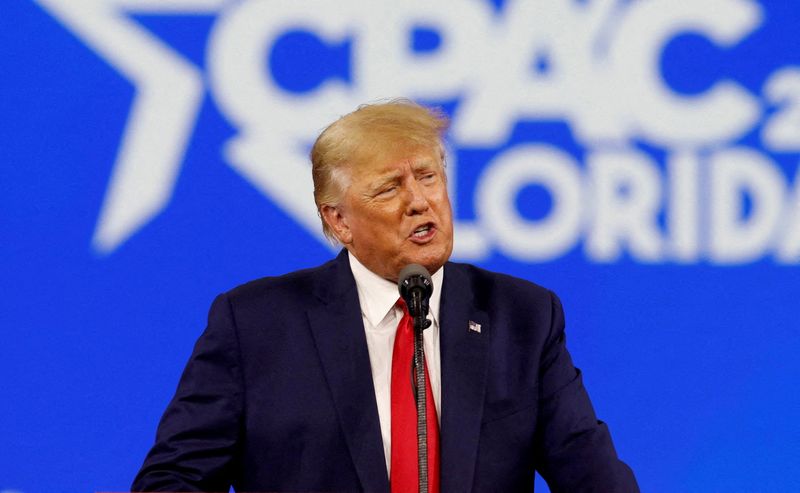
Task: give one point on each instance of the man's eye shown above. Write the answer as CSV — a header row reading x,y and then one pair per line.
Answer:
x,y
429,177
387,190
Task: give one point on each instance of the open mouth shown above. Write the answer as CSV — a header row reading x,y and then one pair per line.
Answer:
x,y
423,232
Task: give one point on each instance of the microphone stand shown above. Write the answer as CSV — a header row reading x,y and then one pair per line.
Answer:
x,y
421,323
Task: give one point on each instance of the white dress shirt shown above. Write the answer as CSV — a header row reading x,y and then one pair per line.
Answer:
x,y
377,297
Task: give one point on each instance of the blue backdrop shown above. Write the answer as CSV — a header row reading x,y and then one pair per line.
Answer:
x,y
637,157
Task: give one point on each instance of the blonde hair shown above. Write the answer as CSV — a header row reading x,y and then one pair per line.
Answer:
x,y
373,131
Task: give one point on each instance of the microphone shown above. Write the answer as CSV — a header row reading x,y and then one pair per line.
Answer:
x,y
416,287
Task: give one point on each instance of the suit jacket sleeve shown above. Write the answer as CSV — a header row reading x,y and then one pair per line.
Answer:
x,y
573,448
198,436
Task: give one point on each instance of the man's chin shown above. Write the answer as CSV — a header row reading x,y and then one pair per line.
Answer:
x,y
432,262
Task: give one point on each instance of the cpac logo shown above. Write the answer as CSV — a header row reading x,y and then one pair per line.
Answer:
x,y
598,70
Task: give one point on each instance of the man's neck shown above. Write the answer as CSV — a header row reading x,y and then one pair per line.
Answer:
x,y
377,295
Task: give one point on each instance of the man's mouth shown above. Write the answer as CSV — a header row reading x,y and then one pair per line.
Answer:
x,y
423,232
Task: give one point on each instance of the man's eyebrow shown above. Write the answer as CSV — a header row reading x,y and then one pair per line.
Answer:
x,y
424,164
384,180
393,176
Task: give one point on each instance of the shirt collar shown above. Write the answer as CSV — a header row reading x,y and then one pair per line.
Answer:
x,y
377,295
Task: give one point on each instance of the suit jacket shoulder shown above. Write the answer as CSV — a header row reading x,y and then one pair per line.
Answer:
x,y
489,286
297,286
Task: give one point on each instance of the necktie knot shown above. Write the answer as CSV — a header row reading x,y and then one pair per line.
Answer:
x,y
401,304
406,325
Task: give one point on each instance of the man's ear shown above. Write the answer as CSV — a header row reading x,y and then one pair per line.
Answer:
x,y
337,222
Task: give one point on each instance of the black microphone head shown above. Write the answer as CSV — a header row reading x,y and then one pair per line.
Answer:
x,y
415,277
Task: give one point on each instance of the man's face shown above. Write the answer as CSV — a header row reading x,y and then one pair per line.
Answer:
x,y
395,213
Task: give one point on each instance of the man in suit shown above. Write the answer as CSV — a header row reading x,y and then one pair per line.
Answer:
x,y
292,386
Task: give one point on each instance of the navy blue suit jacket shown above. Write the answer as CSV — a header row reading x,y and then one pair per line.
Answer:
x,y
278,394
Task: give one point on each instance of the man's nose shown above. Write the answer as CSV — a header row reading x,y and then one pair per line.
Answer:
x,y
415,195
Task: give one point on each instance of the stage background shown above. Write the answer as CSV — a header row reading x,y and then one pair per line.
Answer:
x,y
637,157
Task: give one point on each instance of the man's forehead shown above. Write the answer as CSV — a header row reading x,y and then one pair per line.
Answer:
x,y
421,159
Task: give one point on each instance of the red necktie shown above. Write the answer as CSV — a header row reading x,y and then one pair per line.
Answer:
x,y
404,470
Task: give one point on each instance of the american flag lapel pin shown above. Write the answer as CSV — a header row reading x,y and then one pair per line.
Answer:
x,y
474,327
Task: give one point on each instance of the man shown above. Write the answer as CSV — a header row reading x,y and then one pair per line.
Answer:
x,y
292,386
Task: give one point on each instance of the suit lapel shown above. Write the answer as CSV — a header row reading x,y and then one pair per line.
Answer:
x,y
464,364
338,332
